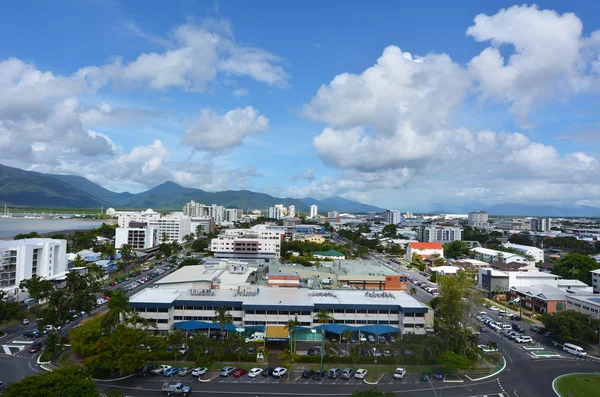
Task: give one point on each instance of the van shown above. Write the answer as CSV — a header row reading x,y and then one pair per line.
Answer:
x,y
256,337
574,349
334,373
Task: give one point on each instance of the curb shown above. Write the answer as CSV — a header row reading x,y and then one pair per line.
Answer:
x,y
558,377
45,369
490,375
114,380
42,362
374,383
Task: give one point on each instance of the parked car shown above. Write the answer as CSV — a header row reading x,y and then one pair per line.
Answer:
x,y
319,375
360,373
267,372
185,371
334,373
347,373
399,373
518,328
514,317
145,370
254,372
371,338
35,347
171,371
239,372
549,334
353,339
25,321
314,351
494,309
199,371
183,349
279,372
362,338
308,373
426,376
176,389
160,369
438,375
523,339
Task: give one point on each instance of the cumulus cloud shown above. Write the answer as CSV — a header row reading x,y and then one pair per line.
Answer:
x,y
307,175
214,132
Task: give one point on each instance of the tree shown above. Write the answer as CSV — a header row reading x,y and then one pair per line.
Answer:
x,y
165,249
237,345
52,344
199,245
26,235
199,231
569,325
164,237
175,339
108,251
455,249
522,239
189,262
291,326
60,382
118,309
79,262
576,266
413,290
222,317
126,253
390,230
8,310
37,287
347,334
453,362
372,393
323,316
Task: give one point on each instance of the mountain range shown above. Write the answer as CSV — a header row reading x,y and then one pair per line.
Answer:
x,y
19,188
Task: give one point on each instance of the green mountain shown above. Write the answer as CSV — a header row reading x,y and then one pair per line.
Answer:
x,y
19,188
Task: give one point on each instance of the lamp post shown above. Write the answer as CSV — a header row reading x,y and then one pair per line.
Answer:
x,y
322,348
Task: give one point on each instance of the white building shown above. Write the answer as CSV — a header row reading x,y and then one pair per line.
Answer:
x,y
314,211
442,234
478,219
541,225
389,311
586,304
217,213
536,253
138,236
225,274
249,244
125,217
392,217
492,280
275,213
490,255
424,249
21,259
292,211
207,224
596,281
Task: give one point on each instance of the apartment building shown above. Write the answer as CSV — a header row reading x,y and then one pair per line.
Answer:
x,y
478,219
536,253
442,234
206,223
262,244
490,255
392,311
393,217
275,213
541,224
21,259
138,235
596,281
126,217
314,211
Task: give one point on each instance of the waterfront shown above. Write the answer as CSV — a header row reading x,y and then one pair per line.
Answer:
x,y
10,227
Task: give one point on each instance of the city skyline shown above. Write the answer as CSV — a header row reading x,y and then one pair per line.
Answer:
x,y
429,106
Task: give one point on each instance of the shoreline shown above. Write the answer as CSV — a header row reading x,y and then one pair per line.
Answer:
x,y
68,232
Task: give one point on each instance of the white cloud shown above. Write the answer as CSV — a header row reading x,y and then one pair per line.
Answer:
x,y
308,175
214,132
240,92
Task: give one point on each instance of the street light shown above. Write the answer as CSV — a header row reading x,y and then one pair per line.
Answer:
x,y
322,348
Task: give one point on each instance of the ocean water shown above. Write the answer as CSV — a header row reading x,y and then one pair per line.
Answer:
x,y
11,227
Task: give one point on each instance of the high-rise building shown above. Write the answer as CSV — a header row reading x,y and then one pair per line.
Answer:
x,y
21,259
392,217
138,235
206,223
478,219
441,234
292,211
275,212
314,211
371,215
541,225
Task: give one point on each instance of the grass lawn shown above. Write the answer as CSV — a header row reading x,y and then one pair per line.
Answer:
x,y
578,385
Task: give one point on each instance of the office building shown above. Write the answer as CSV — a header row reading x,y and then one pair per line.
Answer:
x,y
478,219
270,308
442,234
125,217
206,224
247,244
392,217
586,304
314,211
138,235
21,259
371,216
333,216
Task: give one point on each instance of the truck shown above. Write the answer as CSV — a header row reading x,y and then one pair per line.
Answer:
x,y
176,389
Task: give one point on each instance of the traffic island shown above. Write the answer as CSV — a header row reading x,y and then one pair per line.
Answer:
x,y
577,385
533,348
544,354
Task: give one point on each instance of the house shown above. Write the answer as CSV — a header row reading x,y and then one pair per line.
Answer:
x,y
331,254
107,265
540,298
424,249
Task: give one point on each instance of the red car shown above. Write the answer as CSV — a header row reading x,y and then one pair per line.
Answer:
x,y
106,298
238,373
35,347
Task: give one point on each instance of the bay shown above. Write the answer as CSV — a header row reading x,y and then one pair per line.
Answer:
x,y
11,227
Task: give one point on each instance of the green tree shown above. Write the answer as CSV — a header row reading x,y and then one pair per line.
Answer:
x,y
291,326
237,345
165,249
79,262
323,316
390,230
572,326
37,287
8,310
222,317
347,334
456,249
576,266
372,393
175,339
61,382
199,231
118,309
127,253
453,362
108,251
26,235
52,344
189,262
164,237
522,239
199,245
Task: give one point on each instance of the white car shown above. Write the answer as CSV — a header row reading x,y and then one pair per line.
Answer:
x,y
254,372
199,371
494,309
279,372
524,339
363,338
399,373
360,373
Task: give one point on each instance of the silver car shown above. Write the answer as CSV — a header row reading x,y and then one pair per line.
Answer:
x,y
226,371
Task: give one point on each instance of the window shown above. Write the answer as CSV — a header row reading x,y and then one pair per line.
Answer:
x,y
394,322
187,318
338,311
372,311
272,312
361,321
237,319
361,311
152,310
162,321
161,310
189,308
178,318
409,325
384,312
249,311
419,314
372,322
261,312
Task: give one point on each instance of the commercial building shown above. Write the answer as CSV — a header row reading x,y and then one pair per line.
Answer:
x,y
21,259
218,274
490,255
586,304
424,249
540,298
478,219
493,280
393,217
442,234
390,282
268,308
288,280
541,225
536,253
125,217
596,281
247,244
206,224
174,226
314,211
138,235
333,216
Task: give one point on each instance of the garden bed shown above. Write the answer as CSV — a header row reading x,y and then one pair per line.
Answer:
x,y
577,385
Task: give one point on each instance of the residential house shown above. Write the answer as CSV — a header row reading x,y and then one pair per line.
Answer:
x,y
424,249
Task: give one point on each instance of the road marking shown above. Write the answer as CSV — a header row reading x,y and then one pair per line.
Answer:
x,y
7,350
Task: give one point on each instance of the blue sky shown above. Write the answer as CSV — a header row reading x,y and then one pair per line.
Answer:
x,y
417,107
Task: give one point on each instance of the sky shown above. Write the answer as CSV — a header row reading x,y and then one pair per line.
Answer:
x,y
416,106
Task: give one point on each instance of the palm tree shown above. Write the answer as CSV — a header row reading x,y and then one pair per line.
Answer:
x,y
198,231
164,237
347,334
118,308
222,317
323,316
291,326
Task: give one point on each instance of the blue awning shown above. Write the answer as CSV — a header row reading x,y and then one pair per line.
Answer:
x,y
334,328
379,329
254,328
194,325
